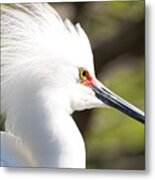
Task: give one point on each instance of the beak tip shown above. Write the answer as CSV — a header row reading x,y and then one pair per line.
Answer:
x,y
111,99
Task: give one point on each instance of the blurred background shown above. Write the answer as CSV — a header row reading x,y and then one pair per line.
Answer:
x,y
116,32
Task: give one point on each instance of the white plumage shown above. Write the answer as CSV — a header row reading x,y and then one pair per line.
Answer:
x,y
40,54
41,58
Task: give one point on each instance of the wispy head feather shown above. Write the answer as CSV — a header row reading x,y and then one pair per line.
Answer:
x,y
34,35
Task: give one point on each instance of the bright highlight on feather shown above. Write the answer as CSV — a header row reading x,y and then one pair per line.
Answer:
x,y
47,73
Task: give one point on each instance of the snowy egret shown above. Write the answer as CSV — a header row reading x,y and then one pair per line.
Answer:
x,y
47,72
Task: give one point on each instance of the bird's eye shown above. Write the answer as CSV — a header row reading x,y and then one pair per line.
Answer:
x,y
83,73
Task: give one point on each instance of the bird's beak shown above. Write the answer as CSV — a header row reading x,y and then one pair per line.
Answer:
x,y
113,100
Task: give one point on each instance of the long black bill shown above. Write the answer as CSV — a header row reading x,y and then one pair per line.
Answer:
x,y
111,99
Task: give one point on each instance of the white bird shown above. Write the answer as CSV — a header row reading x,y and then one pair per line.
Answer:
x,y
47,72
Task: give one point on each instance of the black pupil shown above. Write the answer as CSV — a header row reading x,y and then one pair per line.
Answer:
x,y
84,73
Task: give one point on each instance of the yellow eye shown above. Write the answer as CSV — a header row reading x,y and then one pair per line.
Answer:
x,y
83,73
85,77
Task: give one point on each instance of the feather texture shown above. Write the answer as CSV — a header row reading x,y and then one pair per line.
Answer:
x,y
33,36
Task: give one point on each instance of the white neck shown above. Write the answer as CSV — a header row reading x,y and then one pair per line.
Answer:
x,y
49,134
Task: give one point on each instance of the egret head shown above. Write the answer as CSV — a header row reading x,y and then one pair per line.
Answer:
x,y
57,53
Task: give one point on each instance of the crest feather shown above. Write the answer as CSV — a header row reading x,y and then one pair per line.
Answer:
x,y
34,34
